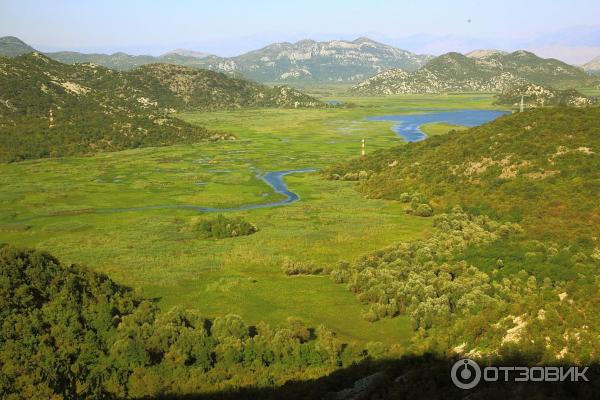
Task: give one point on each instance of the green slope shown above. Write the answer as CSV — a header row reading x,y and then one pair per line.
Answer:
x,y
53,109
540,168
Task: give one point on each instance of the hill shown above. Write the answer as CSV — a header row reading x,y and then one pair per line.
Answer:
x,y
53,109
70,333
304,61
540,96
11,46
484,71
184,88
593,66
540,168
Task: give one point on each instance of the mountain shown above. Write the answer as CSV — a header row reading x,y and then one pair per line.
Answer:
x,y
526,167
311,61
483,53
11,46
593,66
303,61
186,53
52,109
123,61
540,96
481,71
120,61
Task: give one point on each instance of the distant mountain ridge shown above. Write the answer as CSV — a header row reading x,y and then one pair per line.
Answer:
x,y
304,61
186,53
309,60
480,71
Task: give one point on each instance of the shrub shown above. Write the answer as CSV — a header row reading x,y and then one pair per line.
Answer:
x,y
405,197
424,210
370,316
223,227
291,267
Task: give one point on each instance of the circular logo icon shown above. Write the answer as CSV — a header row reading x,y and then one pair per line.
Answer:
x,y
465,374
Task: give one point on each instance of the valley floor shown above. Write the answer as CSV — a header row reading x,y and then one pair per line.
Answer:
x,y
50,204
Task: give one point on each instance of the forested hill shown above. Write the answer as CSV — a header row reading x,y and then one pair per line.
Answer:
x,y
53,109
70,333
540,168
489,72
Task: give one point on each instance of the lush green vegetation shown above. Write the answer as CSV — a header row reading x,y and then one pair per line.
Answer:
x,y
511,271
71,333
460,294
53,109
61,205
538,168
223,227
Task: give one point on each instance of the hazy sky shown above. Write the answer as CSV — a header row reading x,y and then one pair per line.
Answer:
x,y
571,29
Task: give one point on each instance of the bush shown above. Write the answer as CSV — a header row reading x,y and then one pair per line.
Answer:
x,y
291,267
223,227
424,210
405,197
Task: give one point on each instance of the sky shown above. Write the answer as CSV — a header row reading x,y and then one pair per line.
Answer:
x,y
569,30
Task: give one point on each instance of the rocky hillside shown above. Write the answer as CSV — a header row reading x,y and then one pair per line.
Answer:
x,y
304,61
311,61
540,96
481,71
53,109
593,66
527,167
182,88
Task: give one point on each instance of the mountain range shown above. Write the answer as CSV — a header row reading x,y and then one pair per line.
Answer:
x,y
479,71
50,109
303,61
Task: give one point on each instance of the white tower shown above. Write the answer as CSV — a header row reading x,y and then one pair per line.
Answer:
x,y
522,107
362,152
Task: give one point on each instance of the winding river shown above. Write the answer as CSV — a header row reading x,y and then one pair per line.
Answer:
x,y
408,127
273,179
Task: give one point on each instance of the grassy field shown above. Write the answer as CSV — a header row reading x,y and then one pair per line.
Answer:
x,y
57,205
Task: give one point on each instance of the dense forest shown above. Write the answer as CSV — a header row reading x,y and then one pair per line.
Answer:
x,y
52,109
71,333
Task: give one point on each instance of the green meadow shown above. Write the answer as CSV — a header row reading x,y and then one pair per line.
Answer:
x,y
66,206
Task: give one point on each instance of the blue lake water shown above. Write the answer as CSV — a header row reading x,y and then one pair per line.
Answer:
x,y
408,125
